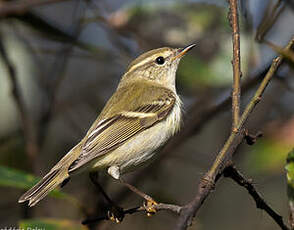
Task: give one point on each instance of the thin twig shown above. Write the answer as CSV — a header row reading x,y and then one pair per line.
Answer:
x,y
235,175
269,18
225,155
236,91
288,54
159,207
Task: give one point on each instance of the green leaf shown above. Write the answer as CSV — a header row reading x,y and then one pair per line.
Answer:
x,y
51,224
290,157
267,156
10,177
290,174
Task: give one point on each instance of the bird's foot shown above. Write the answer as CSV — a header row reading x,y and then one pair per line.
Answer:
x,y
116,214
150,206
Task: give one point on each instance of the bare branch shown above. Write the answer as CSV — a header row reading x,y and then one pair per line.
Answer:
x,y
235,175
159,207
288,54
236,91
270,17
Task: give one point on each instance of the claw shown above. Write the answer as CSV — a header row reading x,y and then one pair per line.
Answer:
x,y
149,206
116,214
112,217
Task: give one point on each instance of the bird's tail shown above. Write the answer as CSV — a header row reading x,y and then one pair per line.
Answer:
x,y
57,175
44,186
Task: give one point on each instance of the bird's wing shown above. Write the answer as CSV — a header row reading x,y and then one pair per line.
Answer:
x,y
111,132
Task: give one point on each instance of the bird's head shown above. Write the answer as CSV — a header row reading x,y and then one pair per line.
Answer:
x,y
158,65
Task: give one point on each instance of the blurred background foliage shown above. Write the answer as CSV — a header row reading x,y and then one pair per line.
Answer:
x,y
68,57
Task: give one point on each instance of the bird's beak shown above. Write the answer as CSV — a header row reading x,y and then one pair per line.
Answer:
x,y
181,52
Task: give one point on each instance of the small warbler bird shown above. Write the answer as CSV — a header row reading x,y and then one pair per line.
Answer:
x,y
142,114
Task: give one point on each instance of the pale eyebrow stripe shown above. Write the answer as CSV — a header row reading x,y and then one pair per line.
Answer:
x,y
148,60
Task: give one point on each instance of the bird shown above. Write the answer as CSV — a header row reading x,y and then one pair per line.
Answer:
x,y
143,113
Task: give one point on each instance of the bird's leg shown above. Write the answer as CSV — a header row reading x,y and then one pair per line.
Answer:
x,y
150,203
115,213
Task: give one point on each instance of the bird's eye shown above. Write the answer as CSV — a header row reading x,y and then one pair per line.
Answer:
x,y
160,60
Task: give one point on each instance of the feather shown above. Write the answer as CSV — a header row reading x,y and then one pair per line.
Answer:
x,y
111,132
